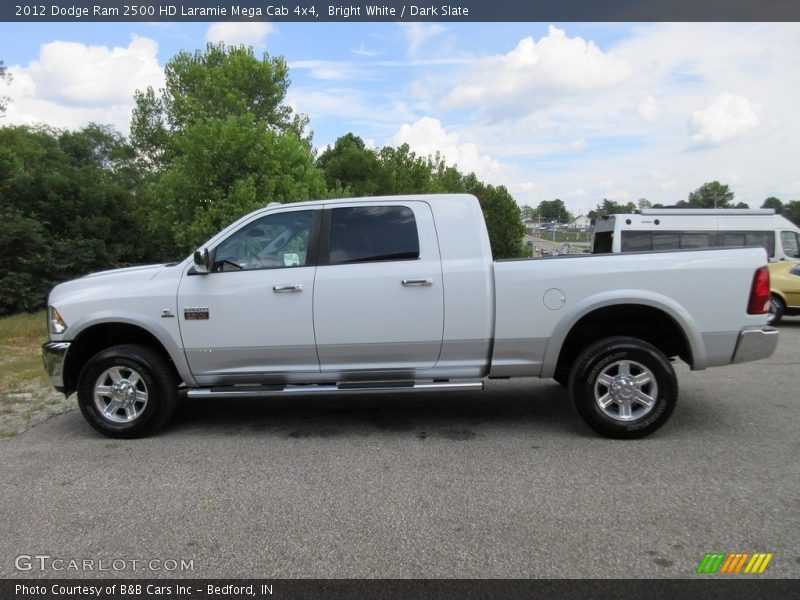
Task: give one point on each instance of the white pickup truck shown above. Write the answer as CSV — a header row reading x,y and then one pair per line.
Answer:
x,y
394,294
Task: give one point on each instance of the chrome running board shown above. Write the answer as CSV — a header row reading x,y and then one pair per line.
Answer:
x,y
266,391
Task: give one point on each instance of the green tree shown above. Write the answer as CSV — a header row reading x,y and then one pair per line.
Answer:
x,y
502,215
150,133
219,141
25,280
351,167
5,76
774,203
791,210
710,195
611,207
553,210
403,172
211,84
67,207
225,168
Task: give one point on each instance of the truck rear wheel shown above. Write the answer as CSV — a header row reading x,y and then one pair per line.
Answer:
x,y
127,391
623,387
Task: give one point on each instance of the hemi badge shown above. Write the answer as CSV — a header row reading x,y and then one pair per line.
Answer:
x,y
167,314
195,314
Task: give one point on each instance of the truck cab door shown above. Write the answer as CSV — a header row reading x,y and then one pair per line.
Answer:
x,y
250,318
378,295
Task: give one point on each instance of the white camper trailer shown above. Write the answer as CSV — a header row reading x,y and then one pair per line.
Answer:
x,y
692,228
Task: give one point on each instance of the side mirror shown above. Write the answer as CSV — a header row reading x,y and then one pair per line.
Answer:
x,y
201,261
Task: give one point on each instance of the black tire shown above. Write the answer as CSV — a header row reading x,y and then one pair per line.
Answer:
x,y
561,376
776,310
644,392
140,404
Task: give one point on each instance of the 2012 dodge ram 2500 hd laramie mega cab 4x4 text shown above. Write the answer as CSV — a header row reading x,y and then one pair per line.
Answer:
x,y
399,294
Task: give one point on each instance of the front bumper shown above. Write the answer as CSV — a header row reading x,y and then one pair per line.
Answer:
x,y
53,356
755,344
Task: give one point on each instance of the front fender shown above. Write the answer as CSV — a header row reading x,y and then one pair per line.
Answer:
x,y
168,339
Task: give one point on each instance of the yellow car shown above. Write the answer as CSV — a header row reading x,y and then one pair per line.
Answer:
x,y
784,280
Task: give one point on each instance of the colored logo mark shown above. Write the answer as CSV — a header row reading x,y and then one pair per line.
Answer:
x,y
735,563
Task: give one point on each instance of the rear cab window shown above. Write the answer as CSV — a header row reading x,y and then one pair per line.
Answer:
x,y
373,233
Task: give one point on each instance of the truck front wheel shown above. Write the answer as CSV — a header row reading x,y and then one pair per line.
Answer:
x,y
623,387
127,391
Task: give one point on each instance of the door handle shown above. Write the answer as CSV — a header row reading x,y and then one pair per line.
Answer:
x,y
418,282
287,289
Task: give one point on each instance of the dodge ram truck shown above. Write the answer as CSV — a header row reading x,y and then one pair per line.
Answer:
x,y
399,294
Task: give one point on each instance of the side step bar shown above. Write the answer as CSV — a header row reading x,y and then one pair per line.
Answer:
x,y
266,391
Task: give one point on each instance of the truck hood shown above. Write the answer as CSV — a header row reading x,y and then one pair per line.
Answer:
x,y
115,283
141,272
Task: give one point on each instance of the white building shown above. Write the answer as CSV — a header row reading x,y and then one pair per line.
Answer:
x,y
581,223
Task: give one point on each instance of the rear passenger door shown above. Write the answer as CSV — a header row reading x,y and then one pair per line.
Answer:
x,y
378,296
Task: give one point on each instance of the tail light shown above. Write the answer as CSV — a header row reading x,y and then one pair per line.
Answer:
x,y
759,293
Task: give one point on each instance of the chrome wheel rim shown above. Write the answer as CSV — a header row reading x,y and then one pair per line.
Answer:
x,y
626,391
120,395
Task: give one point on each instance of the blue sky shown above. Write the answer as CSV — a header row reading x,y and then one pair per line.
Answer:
x,y
580,112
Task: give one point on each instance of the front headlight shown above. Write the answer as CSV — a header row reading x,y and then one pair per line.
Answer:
x,y
55,322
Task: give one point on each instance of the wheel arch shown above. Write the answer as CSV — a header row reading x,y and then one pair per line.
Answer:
x,y
659,321
779,294
113,331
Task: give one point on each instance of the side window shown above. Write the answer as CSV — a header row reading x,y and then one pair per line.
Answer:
x,y
750,239
790,243
637,241
274,241
731,238
373,233
666,241
765,239
697,240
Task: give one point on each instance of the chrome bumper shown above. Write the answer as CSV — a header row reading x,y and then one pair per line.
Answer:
x,y
755,344
53,356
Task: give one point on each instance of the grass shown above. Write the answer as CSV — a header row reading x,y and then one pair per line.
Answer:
x,y
21,339
26,397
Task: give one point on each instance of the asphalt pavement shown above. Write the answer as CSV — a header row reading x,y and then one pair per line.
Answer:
x,y
502,483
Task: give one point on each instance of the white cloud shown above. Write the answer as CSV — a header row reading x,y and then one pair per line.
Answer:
x,y
362,50
614,190
727,81
427,136
71,84
648,109
417,34
664,181
328,69
347,104
726,117
577,144
240,34
537,74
